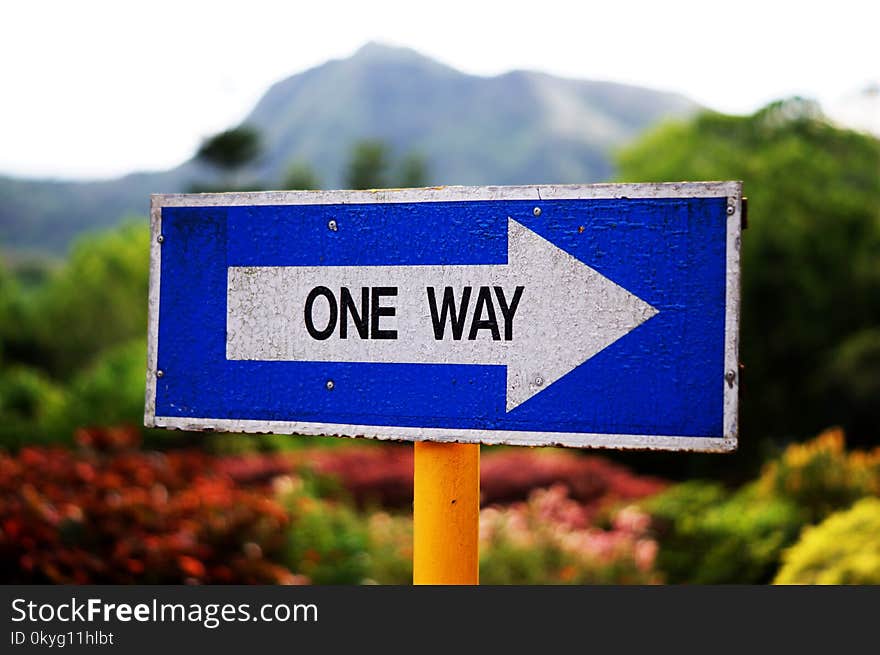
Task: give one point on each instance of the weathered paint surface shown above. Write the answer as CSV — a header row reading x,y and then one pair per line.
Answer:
x,y
446,513
625,334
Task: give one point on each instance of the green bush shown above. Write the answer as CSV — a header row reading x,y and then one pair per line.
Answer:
x,y
97,300
109,392
28,404
707,536
676,515
18,342
390,551
843,549
328,540
744,539
685,501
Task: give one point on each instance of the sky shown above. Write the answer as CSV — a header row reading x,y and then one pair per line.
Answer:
x,y
96,89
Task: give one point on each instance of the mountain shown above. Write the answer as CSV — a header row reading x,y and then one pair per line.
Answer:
x,y
521,127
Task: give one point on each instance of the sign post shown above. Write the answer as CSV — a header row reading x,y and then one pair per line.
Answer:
x,y
446,513
603,316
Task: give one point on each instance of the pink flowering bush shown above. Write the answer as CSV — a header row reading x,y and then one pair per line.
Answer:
x,y
549,539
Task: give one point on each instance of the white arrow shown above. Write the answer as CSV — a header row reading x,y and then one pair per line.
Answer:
x,y
566,313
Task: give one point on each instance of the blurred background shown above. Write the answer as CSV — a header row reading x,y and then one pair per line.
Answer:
x,y
105,104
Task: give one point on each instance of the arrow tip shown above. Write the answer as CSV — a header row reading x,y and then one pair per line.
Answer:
x,y
573,313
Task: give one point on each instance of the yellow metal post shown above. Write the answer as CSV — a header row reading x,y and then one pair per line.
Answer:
x,y
446,513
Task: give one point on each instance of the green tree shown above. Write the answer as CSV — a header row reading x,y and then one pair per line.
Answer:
x,y
29,404
96,300
17,340
369,165
230,151
300,176
811,277
109,391
413,171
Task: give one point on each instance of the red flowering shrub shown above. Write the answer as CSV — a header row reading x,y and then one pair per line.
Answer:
x,y
254,468
373,475
511,475
133,517
111,438
383,475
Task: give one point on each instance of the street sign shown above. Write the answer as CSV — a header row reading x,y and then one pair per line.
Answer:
x,y
588,316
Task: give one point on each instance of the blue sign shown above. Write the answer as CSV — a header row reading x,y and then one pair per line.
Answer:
x,y
588,316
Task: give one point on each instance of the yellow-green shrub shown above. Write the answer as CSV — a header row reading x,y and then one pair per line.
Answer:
x,y
820,476
843,549
708,535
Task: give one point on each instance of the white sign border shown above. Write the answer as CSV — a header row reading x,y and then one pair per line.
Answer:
x,y
727,442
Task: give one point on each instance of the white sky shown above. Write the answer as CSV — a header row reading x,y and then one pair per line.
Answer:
x,y
95,89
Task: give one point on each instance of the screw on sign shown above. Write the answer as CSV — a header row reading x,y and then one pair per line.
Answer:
x,y
601,316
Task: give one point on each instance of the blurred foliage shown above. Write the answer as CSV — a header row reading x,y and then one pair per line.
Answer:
x,y
820,476
231,149
96,300
413,171
843,549
851,382
54,325
548,539
112,514
328,540
390,553
811,274
374,473
228,443
29,406
370,166
108,392
709,535
229,153
300,176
